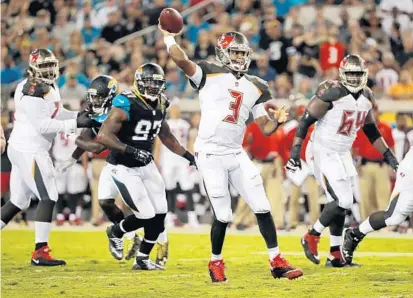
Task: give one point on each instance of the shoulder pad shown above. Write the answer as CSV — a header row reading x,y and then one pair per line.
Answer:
x,y
35,88
120,100
262,86
211,67
367,93
127,93
330,90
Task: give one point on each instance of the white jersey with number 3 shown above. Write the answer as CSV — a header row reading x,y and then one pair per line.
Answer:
x,y
226,103
338,128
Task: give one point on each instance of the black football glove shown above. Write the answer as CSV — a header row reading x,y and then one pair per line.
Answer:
x,y
294,162
189,157
143,156
390,159
84,119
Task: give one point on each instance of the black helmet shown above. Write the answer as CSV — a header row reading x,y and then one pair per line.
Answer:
x,y
44,66
150,80
100,93
353,73
233,43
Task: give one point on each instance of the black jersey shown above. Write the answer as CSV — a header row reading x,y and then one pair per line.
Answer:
x,y
141,128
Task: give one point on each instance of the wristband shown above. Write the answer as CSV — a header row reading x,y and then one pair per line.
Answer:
x,y
169,42
130,150
188,156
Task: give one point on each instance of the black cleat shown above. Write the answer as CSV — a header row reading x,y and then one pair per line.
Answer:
x,y
162,254
115,244
336,263
42,257
144,263
133,247
350,242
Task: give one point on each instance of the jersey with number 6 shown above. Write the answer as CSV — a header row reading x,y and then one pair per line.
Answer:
x,y
338,128
141,128
226,103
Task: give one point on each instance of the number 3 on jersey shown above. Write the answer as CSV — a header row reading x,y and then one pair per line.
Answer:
x,y
234,106
146,130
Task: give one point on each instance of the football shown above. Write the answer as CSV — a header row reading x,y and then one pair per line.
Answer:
x,y
171,20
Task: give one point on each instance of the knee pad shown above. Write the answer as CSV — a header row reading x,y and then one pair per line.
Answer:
x,y
394,219
345,203
224,216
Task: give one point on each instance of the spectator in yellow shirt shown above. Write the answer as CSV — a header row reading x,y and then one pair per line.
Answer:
x,y
404,88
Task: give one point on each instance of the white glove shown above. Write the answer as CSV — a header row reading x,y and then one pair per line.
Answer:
x,y
64,165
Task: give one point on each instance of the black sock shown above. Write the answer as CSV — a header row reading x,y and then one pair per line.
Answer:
x,y
129,224
40,245
267,229
171,198
314,232
112,211
3,201
189,200
334,248
72,202
60,204
153,228
218,230
44,211
8,211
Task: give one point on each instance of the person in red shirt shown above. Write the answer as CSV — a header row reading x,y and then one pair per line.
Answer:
x,y
375,186
265,153
332,51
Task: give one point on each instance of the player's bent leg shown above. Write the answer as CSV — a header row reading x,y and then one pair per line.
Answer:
x,y
398,210
216,265
247,180
336,229
152,228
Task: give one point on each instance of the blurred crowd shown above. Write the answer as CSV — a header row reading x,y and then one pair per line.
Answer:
x,y
297,44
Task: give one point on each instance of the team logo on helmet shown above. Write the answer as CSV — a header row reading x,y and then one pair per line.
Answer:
x,y
113,86
34,56
225,40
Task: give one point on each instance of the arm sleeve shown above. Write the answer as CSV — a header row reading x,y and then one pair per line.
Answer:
x,y
65,114
38,114
196,79
259,111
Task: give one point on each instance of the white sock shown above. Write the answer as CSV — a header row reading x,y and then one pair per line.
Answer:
x,y
318,226
3,224
130,235
72,217
216,257
273,252
335,240
163,237
365,227
42,231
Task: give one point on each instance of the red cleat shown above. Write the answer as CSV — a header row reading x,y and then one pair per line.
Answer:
x,y
281,268
310,245
42,257
217,271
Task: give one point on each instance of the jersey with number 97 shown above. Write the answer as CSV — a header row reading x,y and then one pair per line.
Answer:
x,y
226,103
142,126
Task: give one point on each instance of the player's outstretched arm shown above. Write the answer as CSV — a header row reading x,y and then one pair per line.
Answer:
x,y
376,139
85,142
277,117
169,140
111,126
177,54
316,109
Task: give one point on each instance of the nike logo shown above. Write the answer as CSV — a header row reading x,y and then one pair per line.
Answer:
x,y
121,101
36,261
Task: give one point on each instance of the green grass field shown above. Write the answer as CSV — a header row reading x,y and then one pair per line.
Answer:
x,y
92,272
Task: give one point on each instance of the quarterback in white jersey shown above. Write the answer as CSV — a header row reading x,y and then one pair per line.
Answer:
x,y
340,109
175,169
39,117
227,96
400,207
